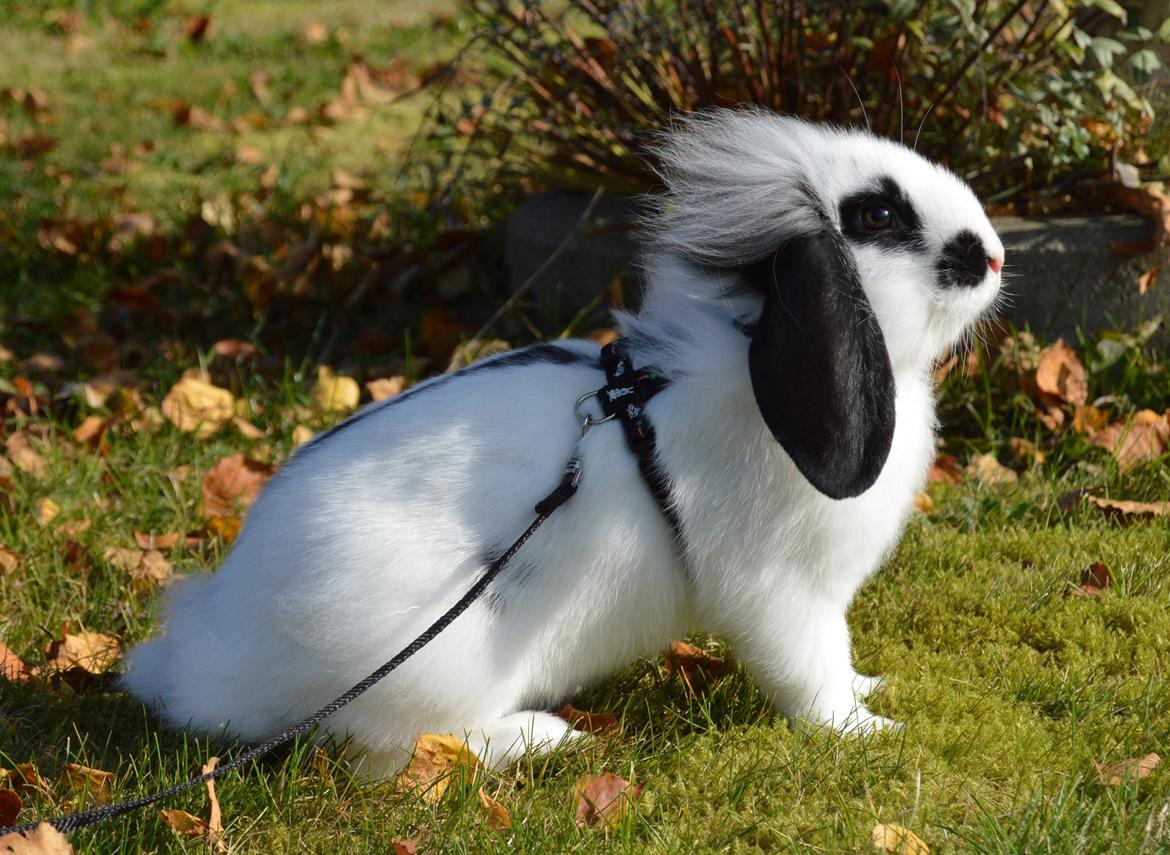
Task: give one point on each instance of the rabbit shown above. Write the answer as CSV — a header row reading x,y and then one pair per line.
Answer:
x,y
801,280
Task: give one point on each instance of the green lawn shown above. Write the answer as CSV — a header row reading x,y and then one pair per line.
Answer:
x,y
1011,687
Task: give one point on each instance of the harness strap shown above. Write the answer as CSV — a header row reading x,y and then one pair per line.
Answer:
x,y
624,397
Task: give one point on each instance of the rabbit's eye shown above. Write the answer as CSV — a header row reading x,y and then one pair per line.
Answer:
x,y
877,218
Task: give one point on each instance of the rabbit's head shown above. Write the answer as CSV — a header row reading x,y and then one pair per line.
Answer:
x,y
861,261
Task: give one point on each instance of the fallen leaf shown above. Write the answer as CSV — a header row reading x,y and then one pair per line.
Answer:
x,y
92,433
897,840
498,817
1059,373
47,510
215,818
26,779
76,528
1140,439
1089,419
945,470
302,434
603,800
986,469
9,560
91,652
235,348
226,529
1129,509
88,786
314,32
185,824
42,840
333,394
157,541
474,350
1133,769
923,503
195,27
247,429
1026,451
196,406
23,456
386,387
587,721
436,757
693,664
405,847
1094,579
148,568
12,667
249,155
233,484
9,808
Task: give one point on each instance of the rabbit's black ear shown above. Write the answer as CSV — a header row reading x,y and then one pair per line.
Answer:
x,y
819,367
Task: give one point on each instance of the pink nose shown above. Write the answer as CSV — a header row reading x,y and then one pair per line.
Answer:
x,y
995,264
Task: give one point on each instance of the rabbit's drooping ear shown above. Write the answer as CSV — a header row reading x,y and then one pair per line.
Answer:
x,y
820,371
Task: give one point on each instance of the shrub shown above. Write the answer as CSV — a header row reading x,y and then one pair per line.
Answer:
x,y
1015,96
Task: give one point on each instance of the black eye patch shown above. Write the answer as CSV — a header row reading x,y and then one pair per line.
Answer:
x,y
881,215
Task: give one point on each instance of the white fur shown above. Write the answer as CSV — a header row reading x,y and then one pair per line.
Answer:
x,y
366,537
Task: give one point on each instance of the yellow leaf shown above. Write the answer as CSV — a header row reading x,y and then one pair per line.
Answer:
x,y
334,394
196,406
93,652
898,840
386,387
47,511
987,470
436,756
498,817
92,785
301,434
23,455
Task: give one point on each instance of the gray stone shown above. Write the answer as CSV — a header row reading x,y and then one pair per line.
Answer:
x,y
1062,278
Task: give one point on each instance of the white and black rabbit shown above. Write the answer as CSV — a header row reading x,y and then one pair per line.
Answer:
x,y
801,280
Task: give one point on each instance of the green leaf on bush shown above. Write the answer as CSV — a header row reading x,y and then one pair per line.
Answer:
x,y
1145,61
1112,7
1105,49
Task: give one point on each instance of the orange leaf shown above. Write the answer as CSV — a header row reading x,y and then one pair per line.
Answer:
x,y
1138,440
436,756
91,786
157,541
897,840
1094,579
12,667
1060,373
693,664
233,484
9,560
1133,769
23,456
498,817
587,721
196,406
91,652
603,800
42,840
386,387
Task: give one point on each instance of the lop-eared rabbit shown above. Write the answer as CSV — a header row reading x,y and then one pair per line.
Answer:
x,y
800,282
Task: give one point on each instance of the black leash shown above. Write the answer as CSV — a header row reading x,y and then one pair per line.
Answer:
x,y
624,398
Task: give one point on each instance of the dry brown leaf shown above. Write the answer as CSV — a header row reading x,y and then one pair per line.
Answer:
x,y
76,528
88,786
945,470
1140,439
498,817
1026,451
12,667
157,541
233,484
26,779
314,31
386,387
1059,373
91,652
185,824
1133,769
986,469
235,348
1127,509
302,434
42,840
587,721
9,560
196,27
23,456
9,808
215,818
436,757
226,529
923,503
897,840
247,429
603,800
1094,579
405,847
194,405
148,568
47,510
474,350
333,394
693,664
1089,419
92,433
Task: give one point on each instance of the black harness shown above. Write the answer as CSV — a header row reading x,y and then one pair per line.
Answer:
x,y
623,398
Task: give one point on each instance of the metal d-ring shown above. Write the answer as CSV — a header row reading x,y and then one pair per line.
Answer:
x,y
587,421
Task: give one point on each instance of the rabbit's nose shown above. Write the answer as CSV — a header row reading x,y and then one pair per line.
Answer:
x,y
964,261
995,264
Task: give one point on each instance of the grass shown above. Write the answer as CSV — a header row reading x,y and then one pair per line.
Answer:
x,y
1010,689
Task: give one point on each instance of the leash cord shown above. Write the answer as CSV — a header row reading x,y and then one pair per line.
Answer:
x,y
84,819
